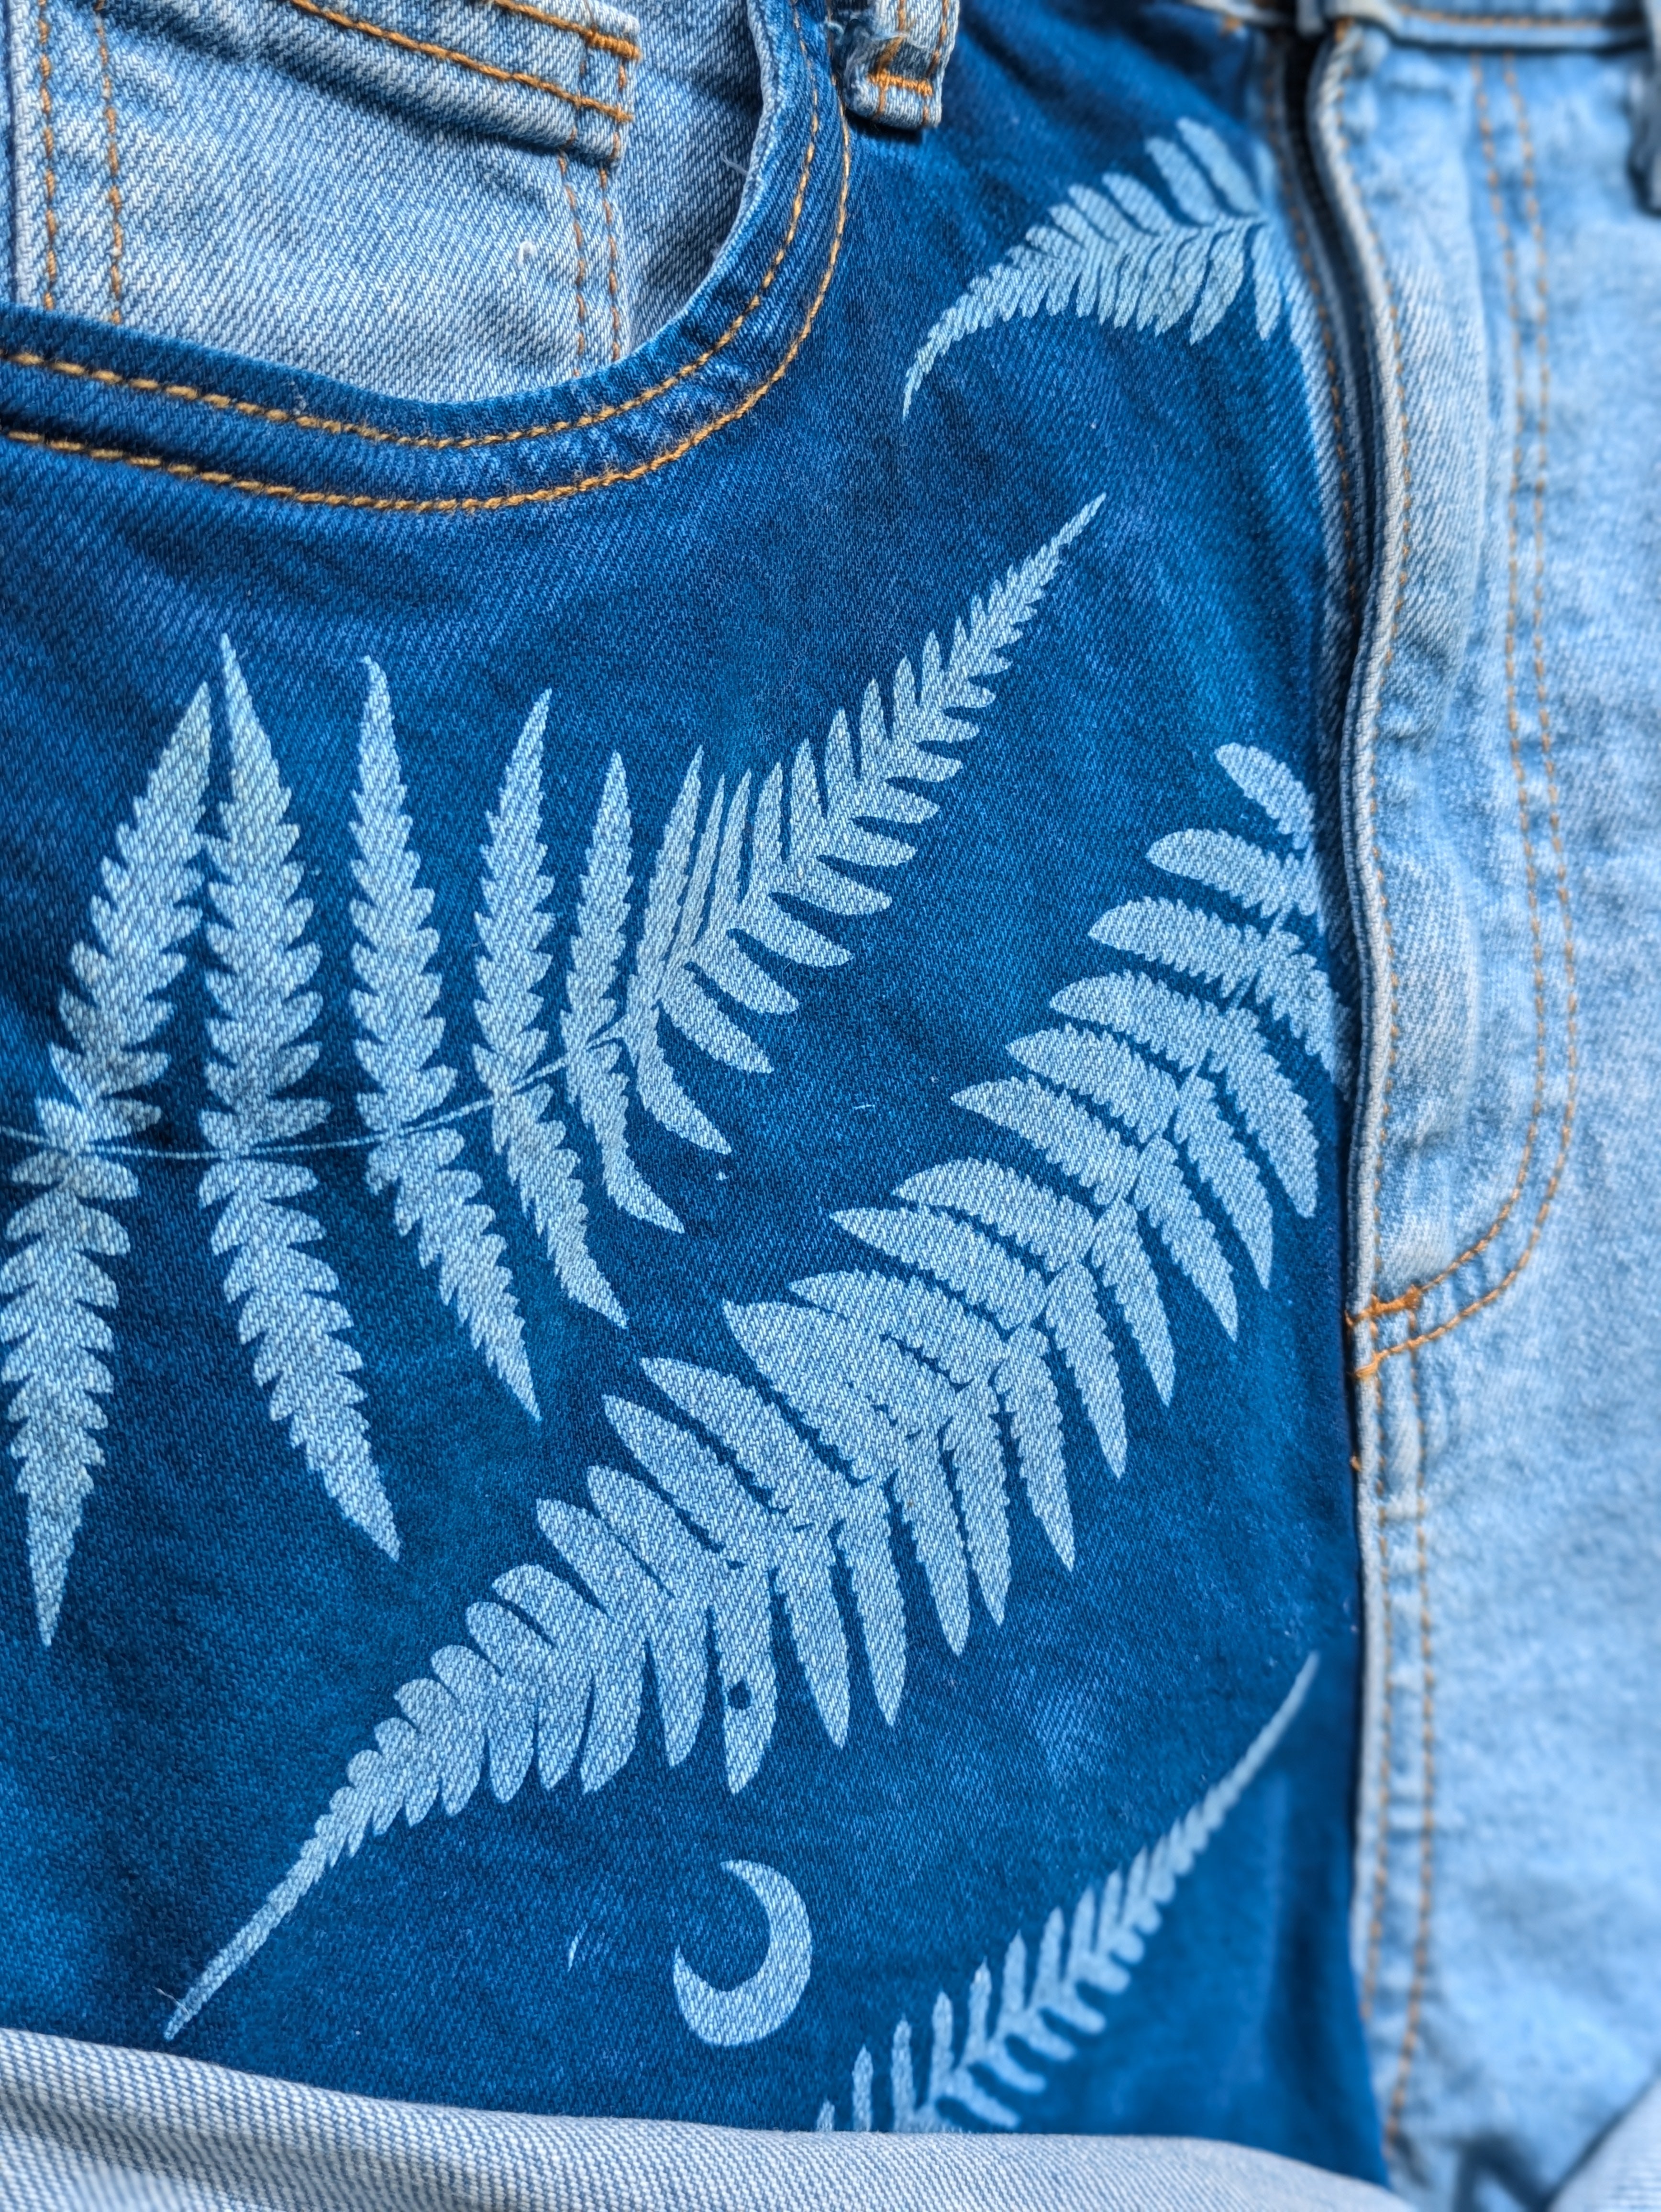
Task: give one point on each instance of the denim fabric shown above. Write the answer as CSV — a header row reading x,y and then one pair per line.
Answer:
x,y
1624,2174
676,1356
430,197
1505,825
102,2130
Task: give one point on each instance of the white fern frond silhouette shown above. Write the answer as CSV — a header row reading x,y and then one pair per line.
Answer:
x,y
594,1083
56,1292
1042,2020
513,929
738,1511
897,1393
1219,1066
1123,256
559,1666
730,874
399,1036
289,1311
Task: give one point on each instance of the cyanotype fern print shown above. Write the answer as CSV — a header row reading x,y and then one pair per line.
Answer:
x,y
56,1293
902,1405
512,1062
287,1311
400,1035
1121,255
1042,2020
733,871
727,865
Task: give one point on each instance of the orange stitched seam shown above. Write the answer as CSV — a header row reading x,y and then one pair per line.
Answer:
x,y
1572,1049
582,258
1427,1793
284,418
611,267
112,157
462,61
49,152
1409,1300
220,480
890,82
1293,199
879,75
590,37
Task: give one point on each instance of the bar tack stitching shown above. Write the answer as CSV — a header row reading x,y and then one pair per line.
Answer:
x,y
1410,1300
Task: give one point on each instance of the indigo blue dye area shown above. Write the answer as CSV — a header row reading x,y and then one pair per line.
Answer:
x,y
673,1055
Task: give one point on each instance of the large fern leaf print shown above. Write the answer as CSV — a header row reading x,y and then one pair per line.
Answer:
x,y
1121,255
1043,2018
734,869
400,1034
288,1310
900,1402
56,1293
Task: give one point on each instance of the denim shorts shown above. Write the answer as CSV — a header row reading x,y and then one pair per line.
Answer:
x,y
830,898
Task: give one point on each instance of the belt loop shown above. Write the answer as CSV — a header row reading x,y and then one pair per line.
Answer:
x,y
1647,117
891,56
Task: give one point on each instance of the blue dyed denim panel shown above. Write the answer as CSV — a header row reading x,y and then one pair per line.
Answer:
x,y
1506,830
674,1286
433,198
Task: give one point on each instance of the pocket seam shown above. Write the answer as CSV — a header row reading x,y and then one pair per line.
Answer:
x,y
620,116
284,418
294,495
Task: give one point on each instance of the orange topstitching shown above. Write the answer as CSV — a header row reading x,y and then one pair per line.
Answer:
x,y
1410,1300
400,38
372,433
221,479
49,152
624,49
112,156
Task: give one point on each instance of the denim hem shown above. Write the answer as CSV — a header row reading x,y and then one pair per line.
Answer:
x,y
86,2123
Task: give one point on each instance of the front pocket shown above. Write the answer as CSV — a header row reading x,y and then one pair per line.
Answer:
x,y
415,196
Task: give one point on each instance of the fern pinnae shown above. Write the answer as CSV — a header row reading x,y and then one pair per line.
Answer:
x,y
731,874
513,926
56,1292
596,1086
1121,255
399,1037
1046,2014
288,1309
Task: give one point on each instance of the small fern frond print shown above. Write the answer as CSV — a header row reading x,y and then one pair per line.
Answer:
x,y
1121,255
1045,2016
287,1311
735,870
399,1036
914,1401
56,1292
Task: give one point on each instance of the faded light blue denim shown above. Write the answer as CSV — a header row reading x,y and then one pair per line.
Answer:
x,y
437,198
1506,849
